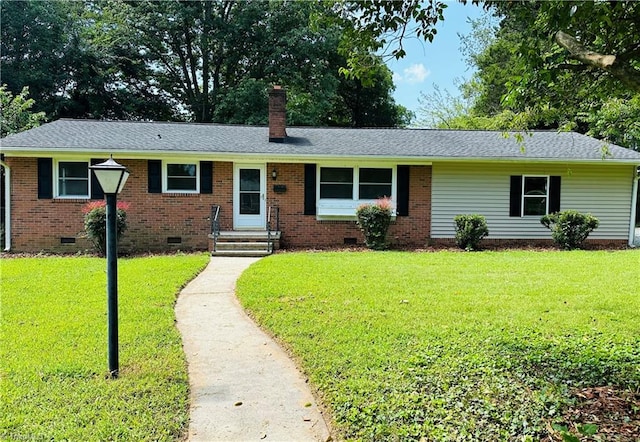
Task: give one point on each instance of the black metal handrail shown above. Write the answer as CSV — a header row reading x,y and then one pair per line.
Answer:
x,y
273,217
215,225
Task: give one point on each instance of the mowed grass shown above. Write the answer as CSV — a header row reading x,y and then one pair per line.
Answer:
x,y
451,345
54,350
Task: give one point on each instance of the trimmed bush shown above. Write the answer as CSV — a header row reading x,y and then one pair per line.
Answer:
x,y
374,221
570,228
470,230
95,223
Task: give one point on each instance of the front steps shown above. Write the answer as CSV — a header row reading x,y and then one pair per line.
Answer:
x,y
245,243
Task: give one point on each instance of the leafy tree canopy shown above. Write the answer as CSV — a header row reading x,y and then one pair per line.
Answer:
x,y
594,35
194,60
526,80
54,48
15,112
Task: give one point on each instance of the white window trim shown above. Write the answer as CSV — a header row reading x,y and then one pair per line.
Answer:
x,y
165,176
56,178
522,195
334,208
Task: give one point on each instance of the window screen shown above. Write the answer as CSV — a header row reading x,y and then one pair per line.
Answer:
x,y
73,179
375,183
181,177
535,192
336,183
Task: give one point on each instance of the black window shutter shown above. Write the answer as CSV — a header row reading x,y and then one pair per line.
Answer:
x,y
309,189
206,176
96,189
45,178
515,196
403,191
154,176
554,194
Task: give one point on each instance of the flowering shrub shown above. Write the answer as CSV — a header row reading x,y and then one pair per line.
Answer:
x,y
374,220
95,223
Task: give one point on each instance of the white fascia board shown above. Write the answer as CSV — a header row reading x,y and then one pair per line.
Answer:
x,y
285,158
210,156
508,160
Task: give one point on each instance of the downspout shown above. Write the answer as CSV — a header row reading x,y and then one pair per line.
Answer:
x,y
634,203
7,206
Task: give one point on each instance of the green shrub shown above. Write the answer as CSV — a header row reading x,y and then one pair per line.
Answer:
x,y
470,230
95,223
374,220
570,228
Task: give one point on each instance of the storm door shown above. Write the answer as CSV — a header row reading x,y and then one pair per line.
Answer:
x,y
249,199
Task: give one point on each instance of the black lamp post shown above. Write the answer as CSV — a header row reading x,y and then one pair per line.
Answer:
x,y
112,177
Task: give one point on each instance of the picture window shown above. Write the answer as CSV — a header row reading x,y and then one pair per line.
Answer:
x,y
375,183
336,183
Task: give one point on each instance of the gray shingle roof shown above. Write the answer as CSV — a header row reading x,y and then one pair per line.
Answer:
x,y
142,138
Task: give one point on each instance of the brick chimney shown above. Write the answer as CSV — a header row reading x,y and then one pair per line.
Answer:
x,y
277,115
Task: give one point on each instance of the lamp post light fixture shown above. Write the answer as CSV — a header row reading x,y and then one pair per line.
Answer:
x,y
112,177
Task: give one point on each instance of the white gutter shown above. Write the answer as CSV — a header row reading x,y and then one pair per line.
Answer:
x,y
303,157
634,202
7,208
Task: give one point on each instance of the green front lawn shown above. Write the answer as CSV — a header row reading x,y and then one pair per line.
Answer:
x,y
459,346
54,350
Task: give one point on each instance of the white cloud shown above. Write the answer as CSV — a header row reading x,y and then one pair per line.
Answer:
x,y
416,73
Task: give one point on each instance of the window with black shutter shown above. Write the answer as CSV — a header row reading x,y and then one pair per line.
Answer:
x,y
309,189
534,195
45,178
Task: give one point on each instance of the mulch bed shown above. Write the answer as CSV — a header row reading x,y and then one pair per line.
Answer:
x,y
616,413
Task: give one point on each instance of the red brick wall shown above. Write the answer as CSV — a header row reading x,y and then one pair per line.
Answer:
x,y
38,225
299,230
155,217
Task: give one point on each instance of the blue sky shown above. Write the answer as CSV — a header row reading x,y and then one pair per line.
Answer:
x,y
436,63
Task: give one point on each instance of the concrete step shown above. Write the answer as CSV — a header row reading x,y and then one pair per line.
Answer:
x,y
247,235
247,245
243,253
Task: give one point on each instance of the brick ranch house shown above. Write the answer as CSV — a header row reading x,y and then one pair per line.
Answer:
x,y
315,177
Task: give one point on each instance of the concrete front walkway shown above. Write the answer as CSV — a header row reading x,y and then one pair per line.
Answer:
x,y
243,385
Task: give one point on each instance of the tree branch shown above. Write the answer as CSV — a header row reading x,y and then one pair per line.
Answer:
x,y
573,67
629,76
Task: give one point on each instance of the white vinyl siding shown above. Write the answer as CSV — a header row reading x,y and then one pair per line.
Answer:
x,y
483,188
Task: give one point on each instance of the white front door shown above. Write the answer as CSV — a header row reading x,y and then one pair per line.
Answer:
x,y
249,199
